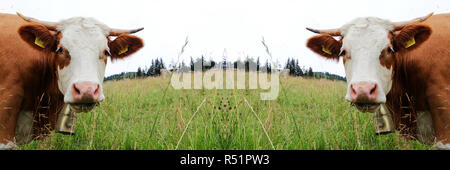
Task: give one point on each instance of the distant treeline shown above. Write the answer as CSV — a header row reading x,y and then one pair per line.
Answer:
x,y
153,70
295,70
202,64
248,64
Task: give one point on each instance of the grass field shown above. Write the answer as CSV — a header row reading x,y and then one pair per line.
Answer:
x,y
141,114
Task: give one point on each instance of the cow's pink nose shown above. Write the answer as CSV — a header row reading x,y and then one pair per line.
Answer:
x,y
364,92
85,92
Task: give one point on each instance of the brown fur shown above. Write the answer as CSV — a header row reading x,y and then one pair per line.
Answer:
x,y
29,32
48,100
420,77
29,78
315,44
387,59
403,96
387,55
419,31
122,41
420,74
29,74
62,58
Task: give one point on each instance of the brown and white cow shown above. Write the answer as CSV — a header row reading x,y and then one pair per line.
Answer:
x,y
405,65
44,65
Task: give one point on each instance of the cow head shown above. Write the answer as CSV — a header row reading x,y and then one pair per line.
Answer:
x,y
80,47
368,47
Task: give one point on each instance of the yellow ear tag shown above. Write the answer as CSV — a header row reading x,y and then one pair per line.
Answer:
x,y
325,50
39,42
123,50
410,43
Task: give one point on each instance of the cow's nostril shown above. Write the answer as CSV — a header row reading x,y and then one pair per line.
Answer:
x,y
97,89
352,89
85,92
75,89
374,89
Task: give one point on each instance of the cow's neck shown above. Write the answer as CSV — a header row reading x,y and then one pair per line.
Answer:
x,y
47,99
406,97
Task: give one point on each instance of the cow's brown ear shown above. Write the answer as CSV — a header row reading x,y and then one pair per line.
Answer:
x,y
124,45
37,36
325,45
411,37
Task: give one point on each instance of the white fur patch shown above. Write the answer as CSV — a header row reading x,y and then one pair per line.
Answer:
x,y
364,39
24,127
85,39
7,146
425,128
442,146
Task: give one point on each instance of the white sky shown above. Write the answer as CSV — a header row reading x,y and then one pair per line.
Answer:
x,y
214,25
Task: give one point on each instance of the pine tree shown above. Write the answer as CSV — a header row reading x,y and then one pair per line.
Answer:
x,y
156,68
310,72
257,64
151,70
224,62
192,64
162,63
288,63
202,61
298,70
268,66
139,72
293,71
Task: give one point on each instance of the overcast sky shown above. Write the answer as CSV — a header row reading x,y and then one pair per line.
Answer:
x,y
215,25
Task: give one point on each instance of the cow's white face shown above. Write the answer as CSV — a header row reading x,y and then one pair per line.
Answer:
x,y
84,41
366,45
79,48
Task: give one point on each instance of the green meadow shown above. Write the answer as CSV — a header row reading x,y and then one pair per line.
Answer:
x,y
148,114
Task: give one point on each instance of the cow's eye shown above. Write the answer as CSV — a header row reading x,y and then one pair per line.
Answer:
x,y
389,50
106,53
59,50
344,53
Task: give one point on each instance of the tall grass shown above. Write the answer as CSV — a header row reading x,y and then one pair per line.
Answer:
x,y
308,114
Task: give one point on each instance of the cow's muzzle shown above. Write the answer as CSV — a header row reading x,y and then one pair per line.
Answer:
x,y
364,96
85,96
83,107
